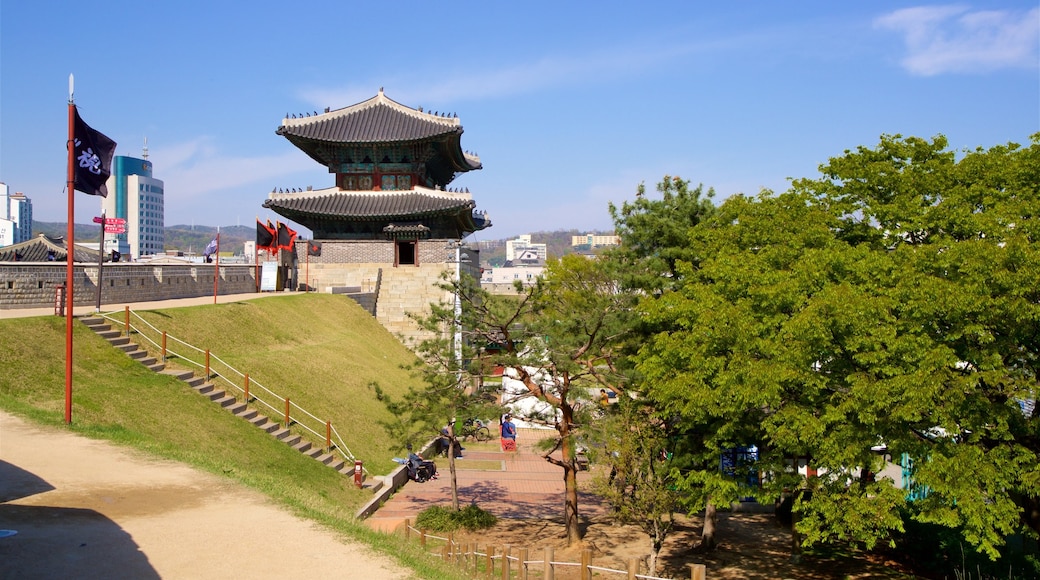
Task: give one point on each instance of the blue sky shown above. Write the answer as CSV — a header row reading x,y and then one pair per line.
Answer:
x,y
569,105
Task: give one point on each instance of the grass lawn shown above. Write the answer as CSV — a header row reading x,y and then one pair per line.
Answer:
x,y
323,351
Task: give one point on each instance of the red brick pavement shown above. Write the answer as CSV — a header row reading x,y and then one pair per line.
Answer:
x,y
526,487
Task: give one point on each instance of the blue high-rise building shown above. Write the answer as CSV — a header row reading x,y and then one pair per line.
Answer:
x,y
137,197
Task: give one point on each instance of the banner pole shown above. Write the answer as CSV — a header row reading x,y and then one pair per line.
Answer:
x,y
70,252
101,262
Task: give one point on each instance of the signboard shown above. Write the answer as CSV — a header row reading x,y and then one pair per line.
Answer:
x,y
269,277
110,222
115,229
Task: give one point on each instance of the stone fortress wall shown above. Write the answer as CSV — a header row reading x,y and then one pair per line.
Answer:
x,y
35,284
363,269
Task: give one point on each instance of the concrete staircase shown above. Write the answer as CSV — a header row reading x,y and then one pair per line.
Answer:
x,y
227,401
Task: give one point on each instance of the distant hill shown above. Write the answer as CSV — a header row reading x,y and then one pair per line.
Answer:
x,y
179,238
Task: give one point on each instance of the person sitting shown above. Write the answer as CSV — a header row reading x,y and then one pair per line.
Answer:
x,y
417,467
444,442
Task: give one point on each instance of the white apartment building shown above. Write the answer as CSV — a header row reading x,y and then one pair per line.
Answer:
x,y
521,245
137,197
16,217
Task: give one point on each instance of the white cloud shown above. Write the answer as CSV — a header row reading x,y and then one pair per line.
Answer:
x,y
521,78
198,167
953,38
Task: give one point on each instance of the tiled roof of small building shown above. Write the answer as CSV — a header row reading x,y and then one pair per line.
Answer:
x,y
39,249
369,205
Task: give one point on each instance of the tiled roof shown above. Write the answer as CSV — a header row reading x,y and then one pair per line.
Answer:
x,y
369,205
377,120
39,248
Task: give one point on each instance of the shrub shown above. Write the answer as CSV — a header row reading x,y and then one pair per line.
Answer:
x,y
441,519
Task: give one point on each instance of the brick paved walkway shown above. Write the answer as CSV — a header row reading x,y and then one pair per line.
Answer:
x,y
525,487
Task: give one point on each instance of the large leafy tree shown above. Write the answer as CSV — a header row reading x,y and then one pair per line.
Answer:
x,y
891,305
655,232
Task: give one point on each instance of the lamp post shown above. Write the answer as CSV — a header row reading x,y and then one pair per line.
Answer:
x,y
457,338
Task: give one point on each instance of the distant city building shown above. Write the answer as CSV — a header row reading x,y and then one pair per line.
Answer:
x,y
523,245
15,217
506,276
594,240
137,197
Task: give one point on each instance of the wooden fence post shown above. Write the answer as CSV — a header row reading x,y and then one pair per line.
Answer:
x,y
549,572
490,560
328,436
287,412
586,561
207,364
633,568
422,538
164,346
247,388
698,572
126,319
505,562
521,567
407,528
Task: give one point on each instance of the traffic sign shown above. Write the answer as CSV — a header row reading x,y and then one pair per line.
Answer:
x,y
115,229
115,221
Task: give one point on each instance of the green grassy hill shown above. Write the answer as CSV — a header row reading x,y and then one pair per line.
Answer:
x,y
320,350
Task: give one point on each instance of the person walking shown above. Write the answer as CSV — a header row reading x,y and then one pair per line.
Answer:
x,y
508,433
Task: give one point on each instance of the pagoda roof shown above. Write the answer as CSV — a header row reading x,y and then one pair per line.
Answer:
x,y
379,120
445,213
369,205
39,248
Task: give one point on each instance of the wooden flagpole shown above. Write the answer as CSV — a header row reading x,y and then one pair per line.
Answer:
x,y
70,253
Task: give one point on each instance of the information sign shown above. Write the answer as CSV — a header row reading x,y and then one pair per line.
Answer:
x,y
269,277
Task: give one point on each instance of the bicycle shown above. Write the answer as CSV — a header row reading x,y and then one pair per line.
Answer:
x,y
476,429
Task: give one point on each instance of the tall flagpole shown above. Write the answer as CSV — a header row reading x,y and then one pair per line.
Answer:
x,y
70,253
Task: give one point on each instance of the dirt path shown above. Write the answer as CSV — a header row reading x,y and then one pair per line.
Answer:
x,y
88,509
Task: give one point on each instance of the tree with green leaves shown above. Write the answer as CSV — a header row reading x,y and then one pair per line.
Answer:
x,y
636,477
888,308
444,394
655,245
557,338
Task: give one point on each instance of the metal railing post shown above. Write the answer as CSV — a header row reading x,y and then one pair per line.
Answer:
x,y
164,351
287,412
207,364
328,436
126,320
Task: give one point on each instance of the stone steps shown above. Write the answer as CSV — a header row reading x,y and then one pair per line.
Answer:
x,y
227,401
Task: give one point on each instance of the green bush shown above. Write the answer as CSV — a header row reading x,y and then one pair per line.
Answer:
x,y
443,519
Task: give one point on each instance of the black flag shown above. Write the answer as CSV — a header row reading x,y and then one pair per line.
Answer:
x,y
265,235
92,152
313,248
286,237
